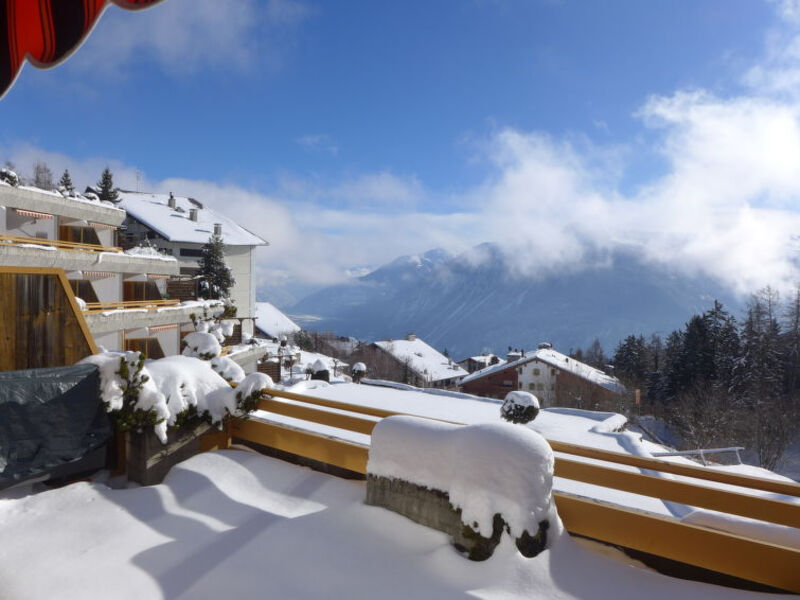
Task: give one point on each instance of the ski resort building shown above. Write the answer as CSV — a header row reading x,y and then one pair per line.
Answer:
x,y
553,377
179,226
420,364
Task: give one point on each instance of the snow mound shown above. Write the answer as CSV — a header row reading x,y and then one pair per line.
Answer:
x,y
359,367
201,345
227,368
485,469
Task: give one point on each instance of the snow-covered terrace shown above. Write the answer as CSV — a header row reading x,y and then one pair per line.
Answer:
x,y
238,525
41,254
55,203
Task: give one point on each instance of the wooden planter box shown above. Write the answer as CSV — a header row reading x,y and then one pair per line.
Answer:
x,y
147,460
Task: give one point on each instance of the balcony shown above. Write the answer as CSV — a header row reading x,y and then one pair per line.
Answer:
x,y
108,317
101,307
57,244
54,203
21,251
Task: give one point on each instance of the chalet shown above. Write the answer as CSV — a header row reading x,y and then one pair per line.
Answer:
x,y
555,378
420,364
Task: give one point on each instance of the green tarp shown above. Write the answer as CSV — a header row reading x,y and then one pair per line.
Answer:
x,y
49,417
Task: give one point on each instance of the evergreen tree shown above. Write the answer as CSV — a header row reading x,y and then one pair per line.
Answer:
x,y
106,184
216,279
630,361
66,182
761,381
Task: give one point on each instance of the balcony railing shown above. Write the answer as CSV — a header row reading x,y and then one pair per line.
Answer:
x,y
98,307
58,244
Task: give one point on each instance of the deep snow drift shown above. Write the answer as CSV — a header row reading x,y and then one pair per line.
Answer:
x,y
234,524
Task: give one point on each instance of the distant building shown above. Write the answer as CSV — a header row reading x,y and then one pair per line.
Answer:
x,y
272,323
419,364
481,361
179,227
555,378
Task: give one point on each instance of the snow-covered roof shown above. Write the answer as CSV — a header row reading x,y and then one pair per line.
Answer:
x,y
175,225
559,361
271,321
424,360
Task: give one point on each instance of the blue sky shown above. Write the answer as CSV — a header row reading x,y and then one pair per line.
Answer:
x,y
347,133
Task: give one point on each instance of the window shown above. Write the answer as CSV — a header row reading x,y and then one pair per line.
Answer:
x,y
552,372
519,370
83,289
193,252
531,386
536,372
540,387
508,383
552,386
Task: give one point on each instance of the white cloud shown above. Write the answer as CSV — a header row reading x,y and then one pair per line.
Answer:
x,y
319,141
190,36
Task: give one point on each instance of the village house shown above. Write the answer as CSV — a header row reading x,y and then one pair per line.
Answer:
x,y
419,364
554,378
481,361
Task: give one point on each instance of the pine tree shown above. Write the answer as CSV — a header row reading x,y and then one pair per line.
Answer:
x,y
106,184
216,279
66,182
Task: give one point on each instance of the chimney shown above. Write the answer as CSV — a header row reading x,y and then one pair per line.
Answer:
x,y
217,228
193,214
411,337
171,202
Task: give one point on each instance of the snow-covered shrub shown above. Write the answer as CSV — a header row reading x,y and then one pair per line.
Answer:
x,y
129,393
249,392
358,371
519,407
9,176
227,368
204,346
227,326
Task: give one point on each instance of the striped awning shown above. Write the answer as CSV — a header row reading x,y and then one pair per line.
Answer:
x,y
157,328
32,213
102,225
153,276
46,31
98,274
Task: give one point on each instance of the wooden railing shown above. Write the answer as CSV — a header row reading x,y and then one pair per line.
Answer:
x,y
736,555
59,244
96,307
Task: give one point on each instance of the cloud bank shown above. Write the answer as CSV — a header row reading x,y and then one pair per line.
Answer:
x,y
724,202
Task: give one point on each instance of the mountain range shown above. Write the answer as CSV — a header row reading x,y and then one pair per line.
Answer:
x,y
473,302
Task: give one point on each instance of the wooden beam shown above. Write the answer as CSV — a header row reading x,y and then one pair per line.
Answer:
x,y
346,455
356,408
754,507
62,277
766,563
758,483
315,415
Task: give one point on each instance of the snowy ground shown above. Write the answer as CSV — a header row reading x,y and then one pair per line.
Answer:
x,y
235,524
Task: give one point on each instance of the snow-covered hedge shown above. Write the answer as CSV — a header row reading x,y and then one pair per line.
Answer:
x,y
168,391
486,469
201,345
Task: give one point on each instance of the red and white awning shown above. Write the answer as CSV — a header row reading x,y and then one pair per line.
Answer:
x,y
98,274
102,225
157,328
32,213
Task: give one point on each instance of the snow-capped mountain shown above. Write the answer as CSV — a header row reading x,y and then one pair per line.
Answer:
x,y
472,302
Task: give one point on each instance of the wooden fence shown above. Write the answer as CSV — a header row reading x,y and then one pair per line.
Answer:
x,y
736,555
